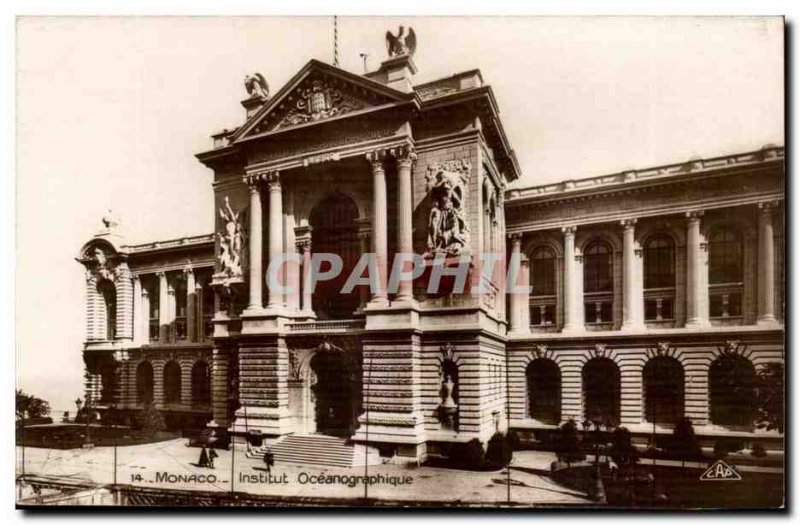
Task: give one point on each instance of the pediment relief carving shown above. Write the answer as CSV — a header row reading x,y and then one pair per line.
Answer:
x,y
315,98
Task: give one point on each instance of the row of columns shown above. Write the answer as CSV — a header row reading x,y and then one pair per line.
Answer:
x,y
167,308
405,158
697,304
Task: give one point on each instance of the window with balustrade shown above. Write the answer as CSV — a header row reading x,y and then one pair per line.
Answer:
x,y
598,285
725,274
206,302
108,292
543,301
180,327
154,296
659,279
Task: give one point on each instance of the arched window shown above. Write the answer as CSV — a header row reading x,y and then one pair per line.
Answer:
x,y
108,292
598,283
601,391
201,384
731,388
659,278
543,285
725,273
544,391
172,383
663,390
144,383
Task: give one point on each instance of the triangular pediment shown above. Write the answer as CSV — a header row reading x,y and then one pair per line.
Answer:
x,y
317,93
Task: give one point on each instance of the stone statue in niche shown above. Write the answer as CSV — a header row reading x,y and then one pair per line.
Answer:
x,y
231,244
448,231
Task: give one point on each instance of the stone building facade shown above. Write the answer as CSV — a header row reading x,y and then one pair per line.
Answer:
x,y
650,277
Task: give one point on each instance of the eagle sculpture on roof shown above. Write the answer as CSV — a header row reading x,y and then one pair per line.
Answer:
x,y
402,43
256,86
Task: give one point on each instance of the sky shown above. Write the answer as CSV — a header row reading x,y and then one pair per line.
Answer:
x,y
111,111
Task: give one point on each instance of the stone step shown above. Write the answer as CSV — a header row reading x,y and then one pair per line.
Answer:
x,y
309,450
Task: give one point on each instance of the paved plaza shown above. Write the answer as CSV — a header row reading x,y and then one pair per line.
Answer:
x,y
171,464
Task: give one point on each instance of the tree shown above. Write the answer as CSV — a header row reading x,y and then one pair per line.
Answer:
x,y
150,420
29,406
769,397
683,443
568,449
622,450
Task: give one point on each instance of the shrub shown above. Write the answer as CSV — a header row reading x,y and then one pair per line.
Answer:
x,y
622,450
683,443
468,455
758,450
568,445
150,420
499,451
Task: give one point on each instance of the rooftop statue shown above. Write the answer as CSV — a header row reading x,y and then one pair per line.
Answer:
x,y
402,44
256,86
110,221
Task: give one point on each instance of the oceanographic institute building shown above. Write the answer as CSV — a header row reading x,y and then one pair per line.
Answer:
x,y
655,294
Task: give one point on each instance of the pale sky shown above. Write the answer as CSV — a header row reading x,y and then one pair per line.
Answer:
x,y
110,112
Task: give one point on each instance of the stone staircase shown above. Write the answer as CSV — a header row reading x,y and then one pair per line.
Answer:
x,y
318,450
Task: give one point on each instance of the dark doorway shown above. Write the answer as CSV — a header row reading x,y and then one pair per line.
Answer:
x,y
337,393
334,230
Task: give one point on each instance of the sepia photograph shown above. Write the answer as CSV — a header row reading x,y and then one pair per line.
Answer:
x,y
411,262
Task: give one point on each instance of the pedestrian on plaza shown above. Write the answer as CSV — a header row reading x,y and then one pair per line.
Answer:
x,y
203,461
269,461
211,455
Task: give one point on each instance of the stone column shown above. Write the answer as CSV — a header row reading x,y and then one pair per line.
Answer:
x,y
518,301
405,205
306,308
379,226
171,311
766,265
256,238
275,300
137,311
219,387
572,313
696,273
631,319
363,291
191,305
144,320
163,315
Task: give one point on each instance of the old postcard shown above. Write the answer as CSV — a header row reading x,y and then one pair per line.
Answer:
x,y
518,262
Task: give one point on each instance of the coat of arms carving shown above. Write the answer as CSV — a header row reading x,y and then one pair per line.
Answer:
x,y
319,101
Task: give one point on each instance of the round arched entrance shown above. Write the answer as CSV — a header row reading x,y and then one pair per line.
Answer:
x,y
336,391
334,230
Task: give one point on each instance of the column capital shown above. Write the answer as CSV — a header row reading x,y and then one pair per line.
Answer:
x,y
515,237
188,269
405,155
303,243
135,277
767,206
694,216
161,274
376,158
628,223
568,230
254,179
